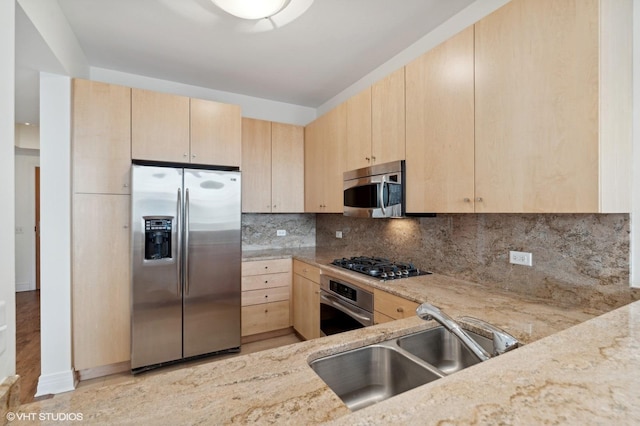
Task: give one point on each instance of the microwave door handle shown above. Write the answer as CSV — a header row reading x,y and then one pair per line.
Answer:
x,y
384,213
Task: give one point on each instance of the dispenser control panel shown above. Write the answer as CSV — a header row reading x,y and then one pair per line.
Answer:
x,y
158,237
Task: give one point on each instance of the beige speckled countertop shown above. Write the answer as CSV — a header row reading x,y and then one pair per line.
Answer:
x,y
566,374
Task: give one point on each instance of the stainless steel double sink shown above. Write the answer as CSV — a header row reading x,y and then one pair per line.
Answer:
x,y
364,376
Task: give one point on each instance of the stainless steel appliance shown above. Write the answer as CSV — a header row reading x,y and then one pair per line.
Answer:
x,y
376,191
343,306
379,267
186,254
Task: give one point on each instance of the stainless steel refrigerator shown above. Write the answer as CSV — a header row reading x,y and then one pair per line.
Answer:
x,y
186,260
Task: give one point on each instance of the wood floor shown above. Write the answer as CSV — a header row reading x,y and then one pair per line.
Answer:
x,y
28,349
28,343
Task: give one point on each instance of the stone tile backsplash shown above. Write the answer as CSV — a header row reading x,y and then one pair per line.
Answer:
x,y
259,231
578,259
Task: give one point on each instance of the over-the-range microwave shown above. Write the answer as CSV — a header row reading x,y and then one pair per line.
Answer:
x,y
376,191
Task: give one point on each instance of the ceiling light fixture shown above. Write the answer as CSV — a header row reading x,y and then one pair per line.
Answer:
x,y
252,9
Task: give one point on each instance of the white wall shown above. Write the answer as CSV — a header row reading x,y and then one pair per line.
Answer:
x,y
7,236
27,137
635,215
262,109
55,236
26,160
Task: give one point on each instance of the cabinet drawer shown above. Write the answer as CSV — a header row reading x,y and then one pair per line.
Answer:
x,y
258,267
256,282
393,306
380,318
265,317
308,271
267,295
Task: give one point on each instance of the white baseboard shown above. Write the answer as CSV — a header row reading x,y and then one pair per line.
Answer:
x,y
26,286
51,384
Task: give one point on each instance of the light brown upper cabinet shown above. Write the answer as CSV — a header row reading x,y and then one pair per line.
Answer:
x,y
440,128
287,168
272,167
324,162
553,107
179,129
256,166
101,135
388,118
216,133
159,126
359,130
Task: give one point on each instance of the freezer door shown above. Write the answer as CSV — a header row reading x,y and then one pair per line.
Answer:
x,y
156,311
211,312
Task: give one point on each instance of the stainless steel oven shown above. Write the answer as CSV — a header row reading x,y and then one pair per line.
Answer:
x,y
343,306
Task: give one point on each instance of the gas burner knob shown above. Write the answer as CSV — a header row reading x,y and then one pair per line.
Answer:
x,y
405,272
383,275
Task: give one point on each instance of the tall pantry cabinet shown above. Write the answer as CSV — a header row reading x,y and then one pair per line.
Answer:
x,y
101,159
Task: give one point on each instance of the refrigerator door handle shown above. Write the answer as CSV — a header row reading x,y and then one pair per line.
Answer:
x,y
186,242
179,245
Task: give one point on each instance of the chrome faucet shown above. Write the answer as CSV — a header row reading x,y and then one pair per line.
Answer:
x,y
502,341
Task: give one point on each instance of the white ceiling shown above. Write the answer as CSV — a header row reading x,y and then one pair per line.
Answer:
x,y
306,62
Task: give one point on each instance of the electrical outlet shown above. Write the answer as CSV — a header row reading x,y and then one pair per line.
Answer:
x,y
281,233
520,258
338,234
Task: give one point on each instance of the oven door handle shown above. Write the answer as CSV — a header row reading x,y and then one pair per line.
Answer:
x,y
335,302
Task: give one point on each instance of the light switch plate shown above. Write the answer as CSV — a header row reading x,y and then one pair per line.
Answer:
x,y
281,233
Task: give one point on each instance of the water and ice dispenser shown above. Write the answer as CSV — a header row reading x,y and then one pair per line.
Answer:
x,y
157,237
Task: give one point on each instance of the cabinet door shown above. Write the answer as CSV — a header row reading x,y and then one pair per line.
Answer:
x,y
537,107
313,168
159,126
287,168
100,281
256,166
216,133
324,161
359,130
101,135
388,119
306,307
440,128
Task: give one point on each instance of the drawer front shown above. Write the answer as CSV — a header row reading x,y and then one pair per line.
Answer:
x,y
265,317
393,306
308,271
256,282
258,267
380,318
267,295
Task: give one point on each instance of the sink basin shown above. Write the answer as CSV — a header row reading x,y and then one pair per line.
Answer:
x,y
367,375
364,376
442,349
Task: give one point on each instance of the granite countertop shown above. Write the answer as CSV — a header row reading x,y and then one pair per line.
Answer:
x,y
577,368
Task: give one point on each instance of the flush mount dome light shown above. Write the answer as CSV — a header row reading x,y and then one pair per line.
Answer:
x,y
251,9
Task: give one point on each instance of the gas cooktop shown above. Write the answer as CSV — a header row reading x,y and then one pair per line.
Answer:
x,y
379,267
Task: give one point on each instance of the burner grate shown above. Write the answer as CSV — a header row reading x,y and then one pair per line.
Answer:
x,y
379,267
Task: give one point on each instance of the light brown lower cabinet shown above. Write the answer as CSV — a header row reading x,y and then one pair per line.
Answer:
x,y
266,301
306,300
389,307
100,280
